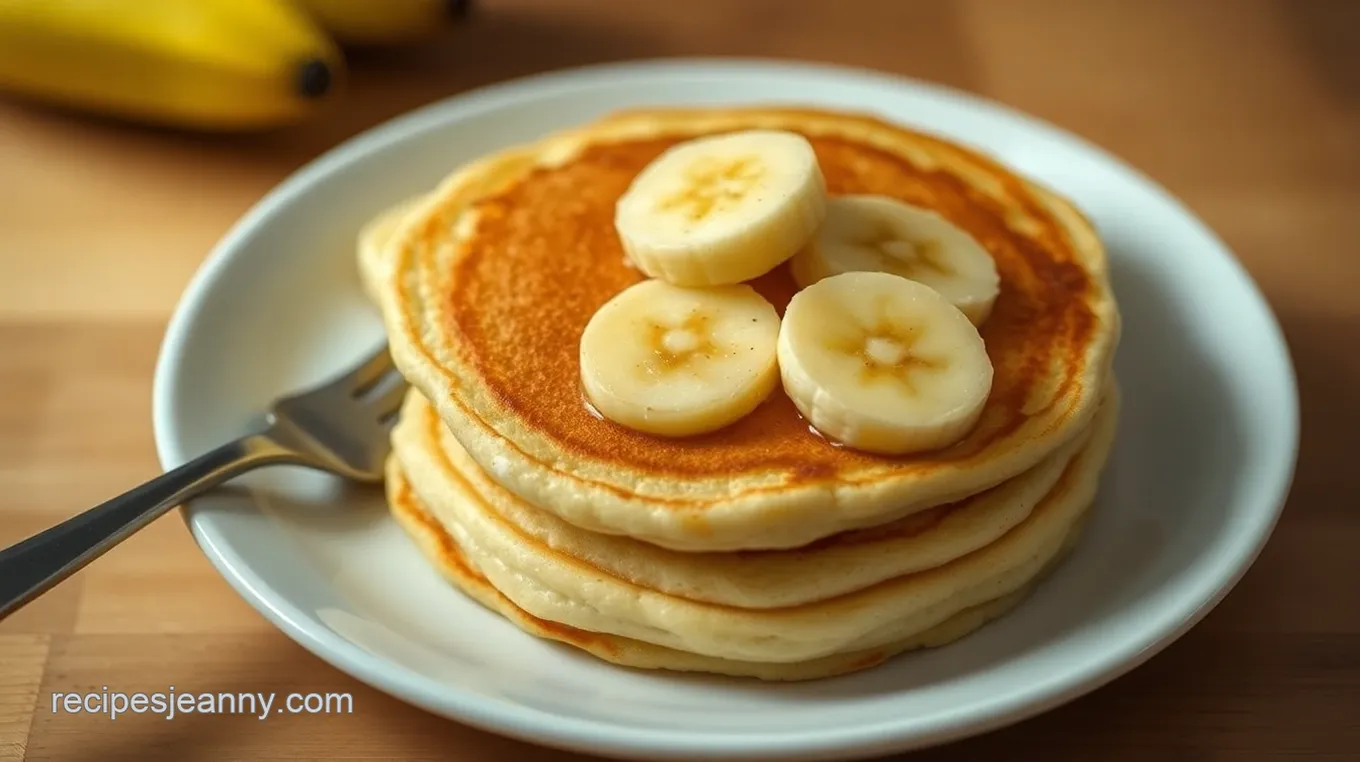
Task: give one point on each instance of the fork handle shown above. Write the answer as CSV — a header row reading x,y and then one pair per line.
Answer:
x,y
31,567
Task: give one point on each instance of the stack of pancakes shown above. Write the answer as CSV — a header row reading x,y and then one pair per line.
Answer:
x,y
760,549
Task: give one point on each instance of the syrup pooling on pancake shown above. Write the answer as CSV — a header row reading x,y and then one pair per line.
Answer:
x,y
546,257
878,352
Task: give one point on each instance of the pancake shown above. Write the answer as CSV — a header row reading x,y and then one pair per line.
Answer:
x,y
490,281
373,239
443,553
376,260
444,475
557,587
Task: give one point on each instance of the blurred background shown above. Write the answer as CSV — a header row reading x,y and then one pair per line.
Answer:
x,y
1213,98
1249,110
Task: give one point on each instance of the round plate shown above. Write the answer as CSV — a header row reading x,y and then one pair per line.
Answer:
x,y
1204,457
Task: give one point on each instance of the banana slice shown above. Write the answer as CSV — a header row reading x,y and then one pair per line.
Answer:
x,y
882,363
724,209
676,361
882,234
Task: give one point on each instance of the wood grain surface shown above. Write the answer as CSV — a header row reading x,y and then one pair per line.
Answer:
x,y
1249,110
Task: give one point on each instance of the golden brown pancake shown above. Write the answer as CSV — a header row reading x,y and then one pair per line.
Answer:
x,y
443,474
444,554
491,284
579,591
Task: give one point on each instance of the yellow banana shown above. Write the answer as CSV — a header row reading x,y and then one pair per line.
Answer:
x,y
207,64
384,22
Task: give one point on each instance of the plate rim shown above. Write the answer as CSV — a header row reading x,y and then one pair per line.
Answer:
x,y
614,739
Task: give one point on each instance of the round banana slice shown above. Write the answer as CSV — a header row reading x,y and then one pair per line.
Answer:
x,y
723,209
676,361
882,234
883,364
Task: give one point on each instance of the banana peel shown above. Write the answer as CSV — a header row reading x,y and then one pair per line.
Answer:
x,y
204,64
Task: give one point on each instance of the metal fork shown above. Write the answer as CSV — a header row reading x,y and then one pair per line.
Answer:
x,y
341,426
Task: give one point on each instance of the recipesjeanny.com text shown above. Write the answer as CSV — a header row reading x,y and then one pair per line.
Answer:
x,y
172,703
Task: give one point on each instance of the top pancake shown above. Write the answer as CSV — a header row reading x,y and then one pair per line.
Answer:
x,y
490,281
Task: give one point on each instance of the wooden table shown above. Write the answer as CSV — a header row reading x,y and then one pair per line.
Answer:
x,y
1247,109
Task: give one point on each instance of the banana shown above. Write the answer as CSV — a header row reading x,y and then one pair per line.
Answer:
x,y
676,361
207,64
385,22
882,363
723,209
877,233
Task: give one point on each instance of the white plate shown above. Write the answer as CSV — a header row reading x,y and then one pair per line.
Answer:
x,y
1202,465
